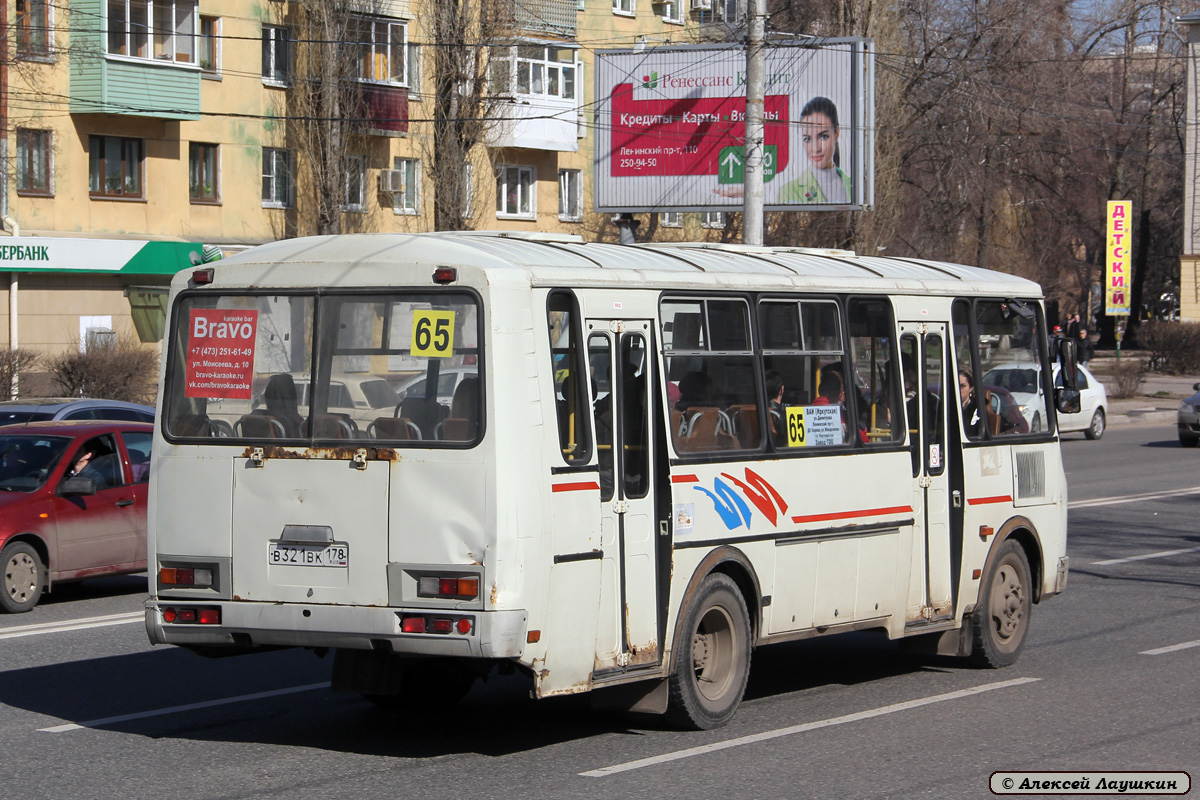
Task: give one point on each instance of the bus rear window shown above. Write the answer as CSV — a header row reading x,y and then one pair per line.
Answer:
x,y
255,367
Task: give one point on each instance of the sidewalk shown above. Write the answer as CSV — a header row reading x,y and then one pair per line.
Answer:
x,y
1157,400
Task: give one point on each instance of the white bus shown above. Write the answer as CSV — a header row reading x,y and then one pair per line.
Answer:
x,y
615,468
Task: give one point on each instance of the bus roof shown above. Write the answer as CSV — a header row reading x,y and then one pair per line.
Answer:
x,y
544,259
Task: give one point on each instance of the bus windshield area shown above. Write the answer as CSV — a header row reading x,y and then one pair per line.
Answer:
x,y
398,368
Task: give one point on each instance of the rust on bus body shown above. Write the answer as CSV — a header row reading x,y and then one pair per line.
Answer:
x,y
325,453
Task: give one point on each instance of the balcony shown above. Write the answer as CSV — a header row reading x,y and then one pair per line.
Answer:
x,y
132,73
140,88
385,107
556,18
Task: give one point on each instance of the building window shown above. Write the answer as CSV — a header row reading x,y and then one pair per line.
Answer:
x,y
276,178
713,219
381,51
624,6
515,187
534,70
355,197
115,166
570,195
161,30
33,28
468,190
408,199
670,219
414,71
673,11
210,44
276,58
33,162
202,173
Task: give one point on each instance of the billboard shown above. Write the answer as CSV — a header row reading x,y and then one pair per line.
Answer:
x,y
671,125
1116,273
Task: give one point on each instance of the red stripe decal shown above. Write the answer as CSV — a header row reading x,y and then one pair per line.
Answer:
x,y
870,512
979,501
582,486
684,479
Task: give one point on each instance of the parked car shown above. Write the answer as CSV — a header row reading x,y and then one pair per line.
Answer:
x,y
72,504
1187,419
15,412
1022,380
448,380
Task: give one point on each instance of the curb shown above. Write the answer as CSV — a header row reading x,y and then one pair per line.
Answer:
x,y
1155,415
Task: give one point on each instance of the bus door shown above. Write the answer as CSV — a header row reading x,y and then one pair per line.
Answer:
x,y
930,395
620,361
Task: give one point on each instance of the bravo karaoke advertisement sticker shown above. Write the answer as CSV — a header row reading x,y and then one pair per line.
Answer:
x,y
220,360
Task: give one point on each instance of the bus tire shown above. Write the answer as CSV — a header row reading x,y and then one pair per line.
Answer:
x,y
712,657
1000,624
22,576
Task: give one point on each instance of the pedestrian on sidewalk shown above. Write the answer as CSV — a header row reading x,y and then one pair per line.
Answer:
x,y
1085,347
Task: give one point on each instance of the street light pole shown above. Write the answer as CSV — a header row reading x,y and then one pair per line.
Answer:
x,y
752,199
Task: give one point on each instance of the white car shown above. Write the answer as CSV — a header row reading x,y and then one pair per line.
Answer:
x,y
448,380
1021,381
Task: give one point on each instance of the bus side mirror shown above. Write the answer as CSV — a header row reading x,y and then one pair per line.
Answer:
x,y
1067,361
1066,400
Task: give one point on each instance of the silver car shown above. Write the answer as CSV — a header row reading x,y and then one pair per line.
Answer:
x,y
18,412
1188,419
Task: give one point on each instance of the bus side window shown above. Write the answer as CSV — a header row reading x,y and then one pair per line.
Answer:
x,y
710,373
875,372
569,369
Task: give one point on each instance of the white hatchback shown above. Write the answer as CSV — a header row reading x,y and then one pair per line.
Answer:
x,y
1021,382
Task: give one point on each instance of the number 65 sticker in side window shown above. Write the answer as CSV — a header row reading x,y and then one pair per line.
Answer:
x,y
433,334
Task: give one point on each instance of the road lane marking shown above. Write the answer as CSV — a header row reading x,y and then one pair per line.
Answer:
x,y
1116,500
804,728
1158,651
72,625
96,723
1160,554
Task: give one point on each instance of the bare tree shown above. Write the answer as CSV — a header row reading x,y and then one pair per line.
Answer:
x,y
463,108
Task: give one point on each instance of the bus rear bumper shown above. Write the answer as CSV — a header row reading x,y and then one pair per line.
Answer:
x,y
244,625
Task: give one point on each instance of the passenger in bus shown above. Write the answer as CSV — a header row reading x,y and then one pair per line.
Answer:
x,y
832,391
695,389
970,409
280,399
463,422
777,414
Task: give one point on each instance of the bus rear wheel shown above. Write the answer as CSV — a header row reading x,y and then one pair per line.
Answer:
x,y
712,657
1000,624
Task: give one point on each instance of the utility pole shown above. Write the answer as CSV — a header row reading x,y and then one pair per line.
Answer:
x,y
756,84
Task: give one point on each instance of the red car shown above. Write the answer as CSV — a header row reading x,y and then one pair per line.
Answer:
x,y
72,504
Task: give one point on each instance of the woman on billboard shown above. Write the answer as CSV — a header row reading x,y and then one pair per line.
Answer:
x,y
824,181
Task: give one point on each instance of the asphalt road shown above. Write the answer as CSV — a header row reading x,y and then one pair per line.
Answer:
x,y
89,709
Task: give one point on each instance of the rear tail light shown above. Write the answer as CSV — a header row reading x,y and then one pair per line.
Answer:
x,y
190,615
449,587
185,577
436,625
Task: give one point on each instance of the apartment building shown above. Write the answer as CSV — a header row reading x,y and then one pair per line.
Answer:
x,y
138,132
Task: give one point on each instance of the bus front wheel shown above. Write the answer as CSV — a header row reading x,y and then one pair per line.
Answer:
x,y
712,657
1000,624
